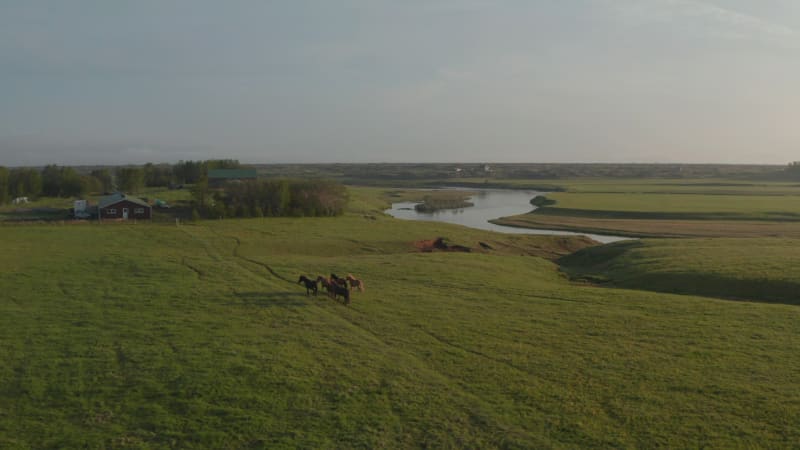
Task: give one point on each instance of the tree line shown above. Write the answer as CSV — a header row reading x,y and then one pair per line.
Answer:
x,y
270,198
64,181
251,198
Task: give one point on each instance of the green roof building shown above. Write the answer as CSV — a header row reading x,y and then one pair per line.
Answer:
x,y
232,174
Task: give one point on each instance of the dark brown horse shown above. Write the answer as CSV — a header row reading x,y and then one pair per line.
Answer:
x,y
335,289
326,284
337,280
311,285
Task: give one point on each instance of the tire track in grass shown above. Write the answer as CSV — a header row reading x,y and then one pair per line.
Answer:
x,y
472,401
474,405
236,254
447,342
200,274
258,263
215,255
348,320
241,263
441,340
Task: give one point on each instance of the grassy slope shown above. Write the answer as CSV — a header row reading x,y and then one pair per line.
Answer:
x,y
756,269
159,336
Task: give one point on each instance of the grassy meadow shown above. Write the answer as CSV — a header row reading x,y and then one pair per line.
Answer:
x,y
197,336
670,207
616,185
679,205
757,269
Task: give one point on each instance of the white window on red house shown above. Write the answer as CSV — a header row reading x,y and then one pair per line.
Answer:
x,y
138,211
111,211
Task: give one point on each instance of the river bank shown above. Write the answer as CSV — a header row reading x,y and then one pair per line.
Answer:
x,y
488,206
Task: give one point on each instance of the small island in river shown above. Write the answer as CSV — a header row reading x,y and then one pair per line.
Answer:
x,y
438,201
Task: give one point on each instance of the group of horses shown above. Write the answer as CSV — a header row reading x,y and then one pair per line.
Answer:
x,y
333,285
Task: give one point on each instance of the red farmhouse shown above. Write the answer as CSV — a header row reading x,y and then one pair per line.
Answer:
x,y
121,206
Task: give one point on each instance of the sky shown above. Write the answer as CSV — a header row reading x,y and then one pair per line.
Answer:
x,y
300,81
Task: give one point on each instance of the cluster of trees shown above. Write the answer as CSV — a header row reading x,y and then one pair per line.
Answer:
x,y
19,183
271,198
62,181
51,181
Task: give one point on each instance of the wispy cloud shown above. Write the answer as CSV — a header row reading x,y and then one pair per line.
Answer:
x,y
734,18
459,5
724,22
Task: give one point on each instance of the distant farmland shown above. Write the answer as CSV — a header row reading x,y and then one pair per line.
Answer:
x,y
713,208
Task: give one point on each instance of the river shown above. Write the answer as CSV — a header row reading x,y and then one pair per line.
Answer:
x,y
489,204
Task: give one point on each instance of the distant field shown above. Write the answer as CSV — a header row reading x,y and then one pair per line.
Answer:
x,y
415,173
733,205
661,207
666,227
702,186
197,336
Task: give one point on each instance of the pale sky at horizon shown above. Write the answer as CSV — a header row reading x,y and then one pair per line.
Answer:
x,y
690,81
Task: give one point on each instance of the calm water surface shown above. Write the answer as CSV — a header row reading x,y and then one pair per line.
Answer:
x,y
489,204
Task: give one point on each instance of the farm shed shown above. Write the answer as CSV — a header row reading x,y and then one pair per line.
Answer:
x,y
121,206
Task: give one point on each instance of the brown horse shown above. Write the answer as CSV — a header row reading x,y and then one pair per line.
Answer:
x,y
337,280
326,284
334,289
355,283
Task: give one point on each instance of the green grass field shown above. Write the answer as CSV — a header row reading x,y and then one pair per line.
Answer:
x,y
758,269
680,205
670,208
700,186
197,336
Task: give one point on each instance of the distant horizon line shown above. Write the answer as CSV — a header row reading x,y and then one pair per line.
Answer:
x,y
413,163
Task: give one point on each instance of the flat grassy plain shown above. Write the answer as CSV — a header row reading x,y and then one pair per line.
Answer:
x,y
197,336
670,208
681,205
666,227
701,186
